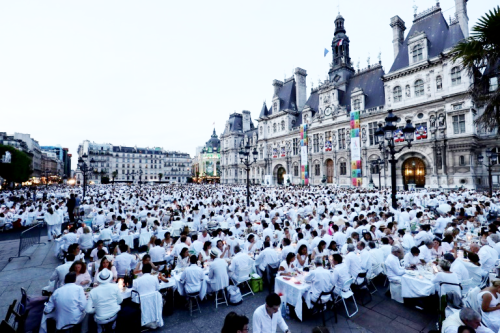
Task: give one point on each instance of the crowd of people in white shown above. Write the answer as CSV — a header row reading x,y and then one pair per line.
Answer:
x,y
203,237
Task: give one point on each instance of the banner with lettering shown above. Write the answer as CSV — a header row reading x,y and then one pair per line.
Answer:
x,y
356,175
304,172
275,152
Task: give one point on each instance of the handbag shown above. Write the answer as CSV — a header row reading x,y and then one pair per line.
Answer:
x,y
235,297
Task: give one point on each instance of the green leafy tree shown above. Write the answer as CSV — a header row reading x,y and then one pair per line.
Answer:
x,y
480,56
114,174
19,170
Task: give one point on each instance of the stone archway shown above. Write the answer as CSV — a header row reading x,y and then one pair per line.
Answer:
x,y
413,171
278,173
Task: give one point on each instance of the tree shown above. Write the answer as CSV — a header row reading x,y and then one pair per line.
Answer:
x,y
160,175
114,174
480,56
19,170
104,180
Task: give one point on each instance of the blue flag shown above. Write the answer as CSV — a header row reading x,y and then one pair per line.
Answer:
x,y
326,52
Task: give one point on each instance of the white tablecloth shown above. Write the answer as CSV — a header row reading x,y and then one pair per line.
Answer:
x,y
163,285
414,286
292,293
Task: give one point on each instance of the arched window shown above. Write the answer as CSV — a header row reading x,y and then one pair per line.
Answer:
x,y
274,127
397,94
439,83
417,53
419,88
356,104
456,76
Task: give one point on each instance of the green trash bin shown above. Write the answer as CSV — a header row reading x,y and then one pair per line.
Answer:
x,y
256,284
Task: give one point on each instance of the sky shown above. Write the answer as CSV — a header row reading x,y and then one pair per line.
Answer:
x,y
159,73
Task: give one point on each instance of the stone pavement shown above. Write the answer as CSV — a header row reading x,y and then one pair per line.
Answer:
x,y
381,315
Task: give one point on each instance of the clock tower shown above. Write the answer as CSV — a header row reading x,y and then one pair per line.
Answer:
x,y
341,68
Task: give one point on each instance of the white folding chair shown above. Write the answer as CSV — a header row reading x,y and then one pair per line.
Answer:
x,y
220,300
346,293
242,275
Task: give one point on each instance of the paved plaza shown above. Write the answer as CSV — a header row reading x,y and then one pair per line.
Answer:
x,y
380,315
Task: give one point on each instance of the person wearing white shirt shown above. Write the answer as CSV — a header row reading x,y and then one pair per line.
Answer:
x,y
446,276
365,259
457,267
100,246
352,261
412,259
267,317
394,269
217,273
287,248
239,261
68,302
464,317
124,261
104,300
266,257
157,252
99,220
425,252
340,273
192,277
321,280
60,272
487,256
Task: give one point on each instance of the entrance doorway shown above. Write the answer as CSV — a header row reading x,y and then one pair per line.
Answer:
x,y
279,175
413,172
329,171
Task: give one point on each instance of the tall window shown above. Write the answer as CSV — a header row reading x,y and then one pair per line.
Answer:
x,y
342,138
316,143
461,160
417,53
274,127
295,145
459,124
419,88
357,104
439,83
282,125
397,94
296,170
372,127
456,76
316,169
343,168
493,84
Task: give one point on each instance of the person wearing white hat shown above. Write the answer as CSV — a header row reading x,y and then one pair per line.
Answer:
x,y
104,300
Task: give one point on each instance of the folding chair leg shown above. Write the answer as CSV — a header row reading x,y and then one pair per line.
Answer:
x,y
248,284
370,282
347,311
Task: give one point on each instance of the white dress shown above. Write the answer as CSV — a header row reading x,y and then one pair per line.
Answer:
x,y
306,262
490,319
288,268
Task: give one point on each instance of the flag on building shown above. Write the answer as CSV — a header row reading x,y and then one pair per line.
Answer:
x,y
340,42
326,52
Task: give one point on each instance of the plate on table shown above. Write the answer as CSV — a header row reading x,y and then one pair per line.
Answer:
x,y
286,278
412,273
298,282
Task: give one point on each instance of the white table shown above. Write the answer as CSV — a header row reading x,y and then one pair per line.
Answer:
x,y
292,293
417,286
126,293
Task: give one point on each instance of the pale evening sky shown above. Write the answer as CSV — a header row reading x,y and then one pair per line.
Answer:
x,y
159,73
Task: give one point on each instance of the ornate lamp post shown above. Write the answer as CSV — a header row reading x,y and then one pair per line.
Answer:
x,y
492,157
86,170
387,132
245,152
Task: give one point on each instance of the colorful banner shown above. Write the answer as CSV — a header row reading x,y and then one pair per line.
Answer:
x,y
399,135
275,152
304,172
421,132
283,154
356,175
328,145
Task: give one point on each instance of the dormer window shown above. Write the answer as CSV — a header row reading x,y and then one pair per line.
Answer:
x,y
397,94
274,128
282,125
357,104
419,88
417,53
456,76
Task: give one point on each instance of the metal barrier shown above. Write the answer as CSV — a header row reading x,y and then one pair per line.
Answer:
x,y
29,237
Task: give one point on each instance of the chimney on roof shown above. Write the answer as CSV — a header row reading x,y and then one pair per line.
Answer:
x,y
461,14
398,34
301,91
246,120
277,86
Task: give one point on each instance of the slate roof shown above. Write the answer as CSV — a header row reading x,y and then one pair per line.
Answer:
x,y
440,37
373,88
287,96
235,123
264,112
119,149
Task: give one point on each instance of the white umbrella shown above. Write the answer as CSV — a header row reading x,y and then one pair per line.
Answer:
x,y
443,208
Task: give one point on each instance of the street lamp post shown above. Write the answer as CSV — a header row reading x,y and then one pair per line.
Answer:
x,y
387,132
492,157
86,170
46,172
245,153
